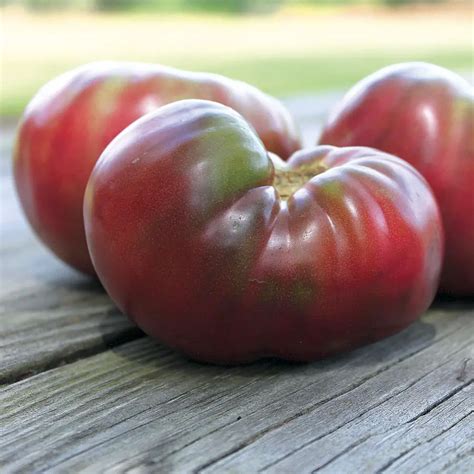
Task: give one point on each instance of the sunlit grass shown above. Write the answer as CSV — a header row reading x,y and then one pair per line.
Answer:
x,y
283,54
290,75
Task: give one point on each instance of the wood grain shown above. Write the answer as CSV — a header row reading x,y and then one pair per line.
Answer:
x,y
49,314
140,407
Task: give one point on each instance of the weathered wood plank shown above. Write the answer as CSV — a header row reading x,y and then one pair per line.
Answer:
x,y
414,411
49,314
438,441
139,406
48,317
378,403
51,337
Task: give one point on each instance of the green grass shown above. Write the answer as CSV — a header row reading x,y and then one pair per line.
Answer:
x,y
293,75
280,76
292,52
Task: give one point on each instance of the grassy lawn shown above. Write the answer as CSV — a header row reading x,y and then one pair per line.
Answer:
x,y
286,53
290,75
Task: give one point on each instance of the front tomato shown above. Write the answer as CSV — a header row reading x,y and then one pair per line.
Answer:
x,y
229,254
425,115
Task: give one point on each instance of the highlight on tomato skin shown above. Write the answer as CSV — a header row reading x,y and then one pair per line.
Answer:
x,y
227,253
424,114
70,121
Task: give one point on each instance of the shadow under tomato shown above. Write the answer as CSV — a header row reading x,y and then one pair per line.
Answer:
x,y
451,303
157,360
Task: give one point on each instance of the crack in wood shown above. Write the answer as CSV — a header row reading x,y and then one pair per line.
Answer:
x,y
342,425
406,453
459,457
271,428
172,452
117,340
463,372
432,406
322,402
78,453
349,448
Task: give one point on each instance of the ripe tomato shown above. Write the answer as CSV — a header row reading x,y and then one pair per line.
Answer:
x,y
425,115
227,253
71,120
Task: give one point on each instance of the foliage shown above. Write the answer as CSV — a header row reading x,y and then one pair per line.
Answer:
x,y
233,6
227,6
127,5
41,5
306,77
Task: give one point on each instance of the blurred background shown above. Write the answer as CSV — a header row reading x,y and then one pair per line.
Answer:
x,y
286,47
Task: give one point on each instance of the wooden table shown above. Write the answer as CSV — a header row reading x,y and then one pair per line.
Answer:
x,y
83,389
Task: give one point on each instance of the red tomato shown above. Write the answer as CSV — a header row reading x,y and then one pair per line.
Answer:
x,y
227,253
425,115
71,120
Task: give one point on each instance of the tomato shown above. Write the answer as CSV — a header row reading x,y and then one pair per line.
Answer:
x,y
228,254
425,115
71,120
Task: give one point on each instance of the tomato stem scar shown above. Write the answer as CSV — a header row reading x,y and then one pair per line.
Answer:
x,y
287,181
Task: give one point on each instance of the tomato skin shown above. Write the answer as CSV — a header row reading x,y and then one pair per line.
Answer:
x,y
425,115
72,119
191,239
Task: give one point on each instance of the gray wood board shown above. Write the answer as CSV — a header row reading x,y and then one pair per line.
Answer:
x,y
140,407
49,314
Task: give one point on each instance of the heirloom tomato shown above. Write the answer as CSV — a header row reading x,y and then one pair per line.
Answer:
x,y
425,115
227,253
72,118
